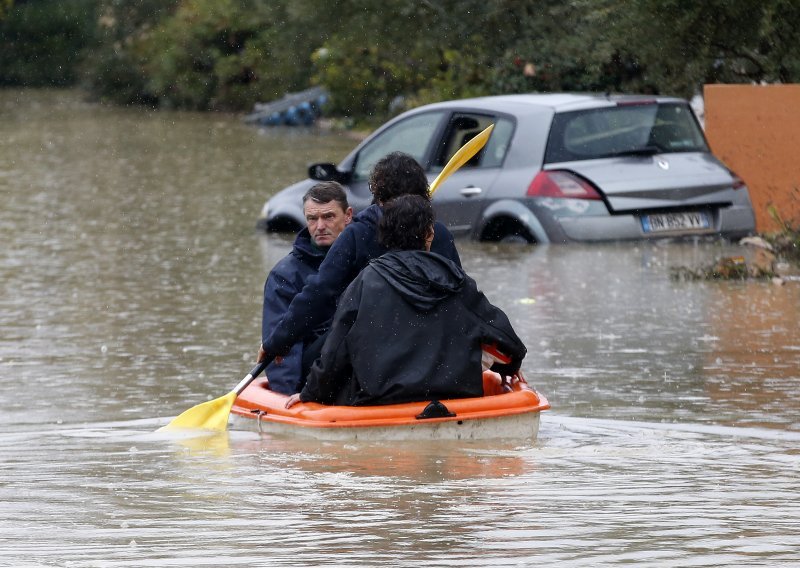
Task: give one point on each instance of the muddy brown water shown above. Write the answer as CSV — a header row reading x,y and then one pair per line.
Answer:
x,y
130,290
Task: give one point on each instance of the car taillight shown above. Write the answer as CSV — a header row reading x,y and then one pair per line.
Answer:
x,y
557,183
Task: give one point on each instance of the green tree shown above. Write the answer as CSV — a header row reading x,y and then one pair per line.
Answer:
x,y
114,71
681,45
42,41
226,54
370,54
555,46
382,52
429,51
5,5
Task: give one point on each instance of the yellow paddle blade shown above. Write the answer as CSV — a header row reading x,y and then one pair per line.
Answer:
x,y
211,415
463,155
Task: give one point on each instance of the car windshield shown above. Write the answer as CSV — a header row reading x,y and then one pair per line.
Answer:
x,y
624,130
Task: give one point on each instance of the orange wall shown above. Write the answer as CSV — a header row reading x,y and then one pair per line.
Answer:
x,y
755,130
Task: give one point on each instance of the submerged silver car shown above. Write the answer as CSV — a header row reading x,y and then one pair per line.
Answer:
x,y
557,168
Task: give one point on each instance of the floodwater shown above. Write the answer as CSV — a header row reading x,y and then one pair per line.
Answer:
x,y
131,279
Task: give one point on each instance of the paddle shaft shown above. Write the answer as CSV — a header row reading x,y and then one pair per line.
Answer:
x,y
254,372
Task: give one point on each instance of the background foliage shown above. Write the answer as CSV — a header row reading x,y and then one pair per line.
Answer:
x,y
381,56
42,42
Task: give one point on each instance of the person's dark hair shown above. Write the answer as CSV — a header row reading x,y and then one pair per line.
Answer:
x,y
406,223
327,191
397,174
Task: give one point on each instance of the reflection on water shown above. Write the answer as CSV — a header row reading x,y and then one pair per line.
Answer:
x,y
609,334
590,492
130,290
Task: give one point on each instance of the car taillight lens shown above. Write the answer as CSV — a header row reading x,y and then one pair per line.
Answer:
x,y
562,184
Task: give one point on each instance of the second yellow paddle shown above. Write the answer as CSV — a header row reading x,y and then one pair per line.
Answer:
x,y
464,154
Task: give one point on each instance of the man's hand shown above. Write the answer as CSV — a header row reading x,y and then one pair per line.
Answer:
x,y
262,354
294,399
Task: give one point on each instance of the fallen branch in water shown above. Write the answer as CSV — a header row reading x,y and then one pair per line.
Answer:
x,y
730,268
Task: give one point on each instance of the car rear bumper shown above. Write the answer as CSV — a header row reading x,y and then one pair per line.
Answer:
x,y
567,224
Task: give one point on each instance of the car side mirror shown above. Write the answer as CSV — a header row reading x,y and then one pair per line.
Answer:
x,y
326,172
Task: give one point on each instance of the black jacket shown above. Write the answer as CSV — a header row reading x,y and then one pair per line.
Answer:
x,y
409,328
285,281
349,254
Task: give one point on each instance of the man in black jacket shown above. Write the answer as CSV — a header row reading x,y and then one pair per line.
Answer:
x,y
395,174
411,326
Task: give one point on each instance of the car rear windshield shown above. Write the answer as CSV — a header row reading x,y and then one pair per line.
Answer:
x,y
623,130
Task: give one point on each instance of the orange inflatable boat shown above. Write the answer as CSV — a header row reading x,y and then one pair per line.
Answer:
x,y
508,409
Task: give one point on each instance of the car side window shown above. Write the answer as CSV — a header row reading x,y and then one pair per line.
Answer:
x,y
498,144
465,126
412,136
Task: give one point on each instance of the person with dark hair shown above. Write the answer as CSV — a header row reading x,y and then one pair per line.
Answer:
x,y
397,174
393,175
327,213
412,325
406,224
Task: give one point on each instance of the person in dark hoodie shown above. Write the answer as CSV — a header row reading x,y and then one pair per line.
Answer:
x,y
411,326
327,213
393,175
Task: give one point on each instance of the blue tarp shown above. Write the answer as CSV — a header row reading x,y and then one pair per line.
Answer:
x,y
294,109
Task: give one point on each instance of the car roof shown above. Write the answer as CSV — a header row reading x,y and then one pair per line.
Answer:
x,y
556,102
525,107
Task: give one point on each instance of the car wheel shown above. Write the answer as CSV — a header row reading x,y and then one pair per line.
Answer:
x,y
515,239
506,230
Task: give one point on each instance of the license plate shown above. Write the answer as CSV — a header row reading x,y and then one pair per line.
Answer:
x,y
665,222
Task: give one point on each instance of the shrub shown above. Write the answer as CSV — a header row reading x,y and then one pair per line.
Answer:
x,y
41,43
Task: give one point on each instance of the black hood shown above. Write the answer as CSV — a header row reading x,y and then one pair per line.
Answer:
x,y
422,278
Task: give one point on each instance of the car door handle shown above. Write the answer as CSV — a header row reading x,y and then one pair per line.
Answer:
x,y
471,191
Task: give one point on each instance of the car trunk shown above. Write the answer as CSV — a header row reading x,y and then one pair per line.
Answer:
x,y
663,181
